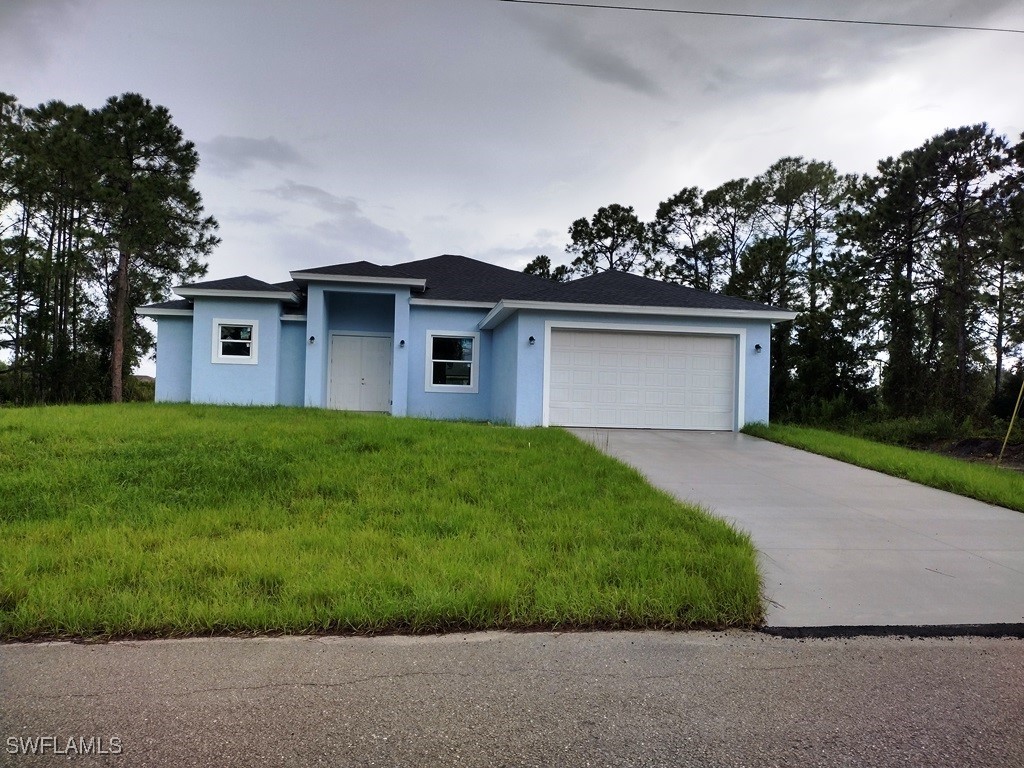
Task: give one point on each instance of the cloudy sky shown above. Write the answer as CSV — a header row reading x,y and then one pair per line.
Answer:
x,y
389,130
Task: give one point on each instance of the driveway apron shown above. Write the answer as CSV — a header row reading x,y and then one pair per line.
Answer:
x,y
840,545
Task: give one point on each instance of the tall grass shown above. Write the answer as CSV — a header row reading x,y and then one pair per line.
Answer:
x,y
984,482
172,520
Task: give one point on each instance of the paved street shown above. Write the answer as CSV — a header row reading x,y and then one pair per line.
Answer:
x,y
493,699
841,545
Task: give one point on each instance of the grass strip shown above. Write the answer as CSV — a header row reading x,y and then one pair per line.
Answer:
x,y
173,520
1003,487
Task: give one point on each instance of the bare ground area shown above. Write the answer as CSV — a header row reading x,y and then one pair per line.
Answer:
x,y
985,450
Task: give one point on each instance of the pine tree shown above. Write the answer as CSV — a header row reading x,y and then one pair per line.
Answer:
x,y
614,238
155,226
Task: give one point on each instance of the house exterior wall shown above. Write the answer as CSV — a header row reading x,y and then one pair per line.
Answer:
x,y
315,380
510,373
291,372
530,384
473,406
174,359
758,372
505,348
242,384
356,312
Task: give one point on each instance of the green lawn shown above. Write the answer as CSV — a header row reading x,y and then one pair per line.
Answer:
x,y
985,482
177,520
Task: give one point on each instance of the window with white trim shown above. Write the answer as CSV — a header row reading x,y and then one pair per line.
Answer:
x,y
235,341
452,361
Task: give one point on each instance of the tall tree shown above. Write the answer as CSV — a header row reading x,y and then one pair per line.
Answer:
x,y
541,266
769,270
681,233
965,167
614,238
732,212
1004,292
892,223
153,217
50,182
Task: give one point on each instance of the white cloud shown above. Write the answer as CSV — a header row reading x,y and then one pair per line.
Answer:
x,y
233,154
485,128
346,228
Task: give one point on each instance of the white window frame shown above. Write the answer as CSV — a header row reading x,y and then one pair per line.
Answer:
x,y
474,363
222,359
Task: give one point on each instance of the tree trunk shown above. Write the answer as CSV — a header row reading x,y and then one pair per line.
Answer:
x,y
120,305
1000,324
19,305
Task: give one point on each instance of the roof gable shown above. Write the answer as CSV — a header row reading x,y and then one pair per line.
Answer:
x,y
357,269
240,287
242,283
458,278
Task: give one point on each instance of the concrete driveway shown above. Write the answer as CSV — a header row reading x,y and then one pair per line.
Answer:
x,y
840,545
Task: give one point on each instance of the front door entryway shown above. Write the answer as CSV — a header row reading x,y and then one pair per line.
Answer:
x,y
360,373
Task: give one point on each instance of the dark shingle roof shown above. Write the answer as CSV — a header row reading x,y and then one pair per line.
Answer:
x,y
448,277
240,283
359,269
457,278
175,304
623,288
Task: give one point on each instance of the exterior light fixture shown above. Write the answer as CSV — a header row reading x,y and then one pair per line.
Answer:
x,y
757,348
312,339
532,341
401,343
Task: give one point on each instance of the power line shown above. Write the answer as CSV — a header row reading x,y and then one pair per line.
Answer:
x,y
726,14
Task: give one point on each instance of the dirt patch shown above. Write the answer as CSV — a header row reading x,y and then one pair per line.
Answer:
x,y
985,450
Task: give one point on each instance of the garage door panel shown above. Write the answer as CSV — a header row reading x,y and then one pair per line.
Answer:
x,y
629,397
647,380
629,378
582,376
675,399
655,380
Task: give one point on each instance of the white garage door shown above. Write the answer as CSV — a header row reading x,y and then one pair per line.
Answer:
x,y
642,380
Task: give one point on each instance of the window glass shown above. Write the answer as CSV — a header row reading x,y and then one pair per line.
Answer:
x,y
446,348
452,361
236,340
236,332
452,373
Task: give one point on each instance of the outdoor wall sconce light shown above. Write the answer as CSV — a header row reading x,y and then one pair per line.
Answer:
x,y
312,339
401,343
757,348
532,341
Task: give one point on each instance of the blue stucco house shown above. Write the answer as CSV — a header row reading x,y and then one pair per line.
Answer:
x,y
455,338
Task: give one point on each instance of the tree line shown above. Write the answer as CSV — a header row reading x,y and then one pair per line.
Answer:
x,y
98,215
908,280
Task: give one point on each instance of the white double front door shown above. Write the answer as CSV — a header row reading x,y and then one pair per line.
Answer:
x,y
360,370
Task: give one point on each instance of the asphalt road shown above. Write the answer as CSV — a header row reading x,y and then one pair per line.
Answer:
x,y
494,699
